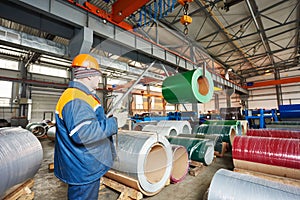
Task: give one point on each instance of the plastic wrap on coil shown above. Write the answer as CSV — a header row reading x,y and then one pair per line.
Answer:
x,y
201,150
235,186
272,151
274,133
21,155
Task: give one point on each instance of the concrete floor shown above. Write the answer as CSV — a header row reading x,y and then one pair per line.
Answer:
x,y
47,186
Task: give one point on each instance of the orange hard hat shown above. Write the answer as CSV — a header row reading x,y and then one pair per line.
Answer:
x,y
87,61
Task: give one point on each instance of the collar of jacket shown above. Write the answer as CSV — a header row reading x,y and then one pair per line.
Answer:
x,y
80,86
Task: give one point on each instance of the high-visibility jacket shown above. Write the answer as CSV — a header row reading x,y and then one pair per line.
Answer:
x,y
83,146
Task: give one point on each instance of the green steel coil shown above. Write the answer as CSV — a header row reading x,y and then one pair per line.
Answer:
x,y
222,122
188,87
236,123
227,132
200,150
215,138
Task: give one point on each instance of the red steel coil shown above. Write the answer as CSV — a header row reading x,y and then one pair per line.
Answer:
x,y
266,150
273,133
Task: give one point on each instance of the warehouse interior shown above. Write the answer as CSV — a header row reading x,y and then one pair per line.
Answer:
x,y
208,88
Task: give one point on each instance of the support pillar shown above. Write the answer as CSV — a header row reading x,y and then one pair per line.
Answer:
x,y
228,92
196,110
217,102
148,99
81,42
278,89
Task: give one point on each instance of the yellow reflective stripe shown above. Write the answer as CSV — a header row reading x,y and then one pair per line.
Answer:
x,y
74,93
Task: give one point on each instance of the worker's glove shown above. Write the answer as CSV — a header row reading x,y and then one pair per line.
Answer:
x,y
112,122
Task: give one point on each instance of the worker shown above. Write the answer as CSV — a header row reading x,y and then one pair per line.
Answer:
x,y
84,151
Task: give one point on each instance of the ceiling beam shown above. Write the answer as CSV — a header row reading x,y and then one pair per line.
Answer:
x,y
273,82
223,30
123,8
253,8
254,33
110,35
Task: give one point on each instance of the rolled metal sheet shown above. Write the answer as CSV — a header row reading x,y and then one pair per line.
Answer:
x,y
51,133
274,151
21,155
274,133
145,158
180,163
227,132
201,150
39,129
161,130
277,156
235,186
240,129
284,125
188,87
215,138
140,125
183,127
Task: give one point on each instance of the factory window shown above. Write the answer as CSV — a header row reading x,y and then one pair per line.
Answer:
x,y
5,94
8,64
139,102
40,69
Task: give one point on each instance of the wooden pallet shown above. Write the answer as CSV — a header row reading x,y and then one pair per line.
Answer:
x,y
195,168
51,167
20,192
127,193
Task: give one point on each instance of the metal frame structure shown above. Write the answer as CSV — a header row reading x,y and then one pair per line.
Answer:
x,y
64,20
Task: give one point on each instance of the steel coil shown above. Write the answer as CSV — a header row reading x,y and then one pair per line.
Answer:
x,y
277,156
161,130
188,87
228,132
183,127
200,150
274,133
180,163
235,186
145,158
21,155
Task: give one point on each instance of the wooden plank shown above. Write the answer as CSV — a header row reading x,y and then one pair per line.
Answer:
x,y
195,168
196,164
51,167
124,190
274,178
20,191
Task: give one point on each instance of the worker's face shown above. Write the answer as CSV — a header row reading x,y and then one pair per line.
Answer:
x,y
94,82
